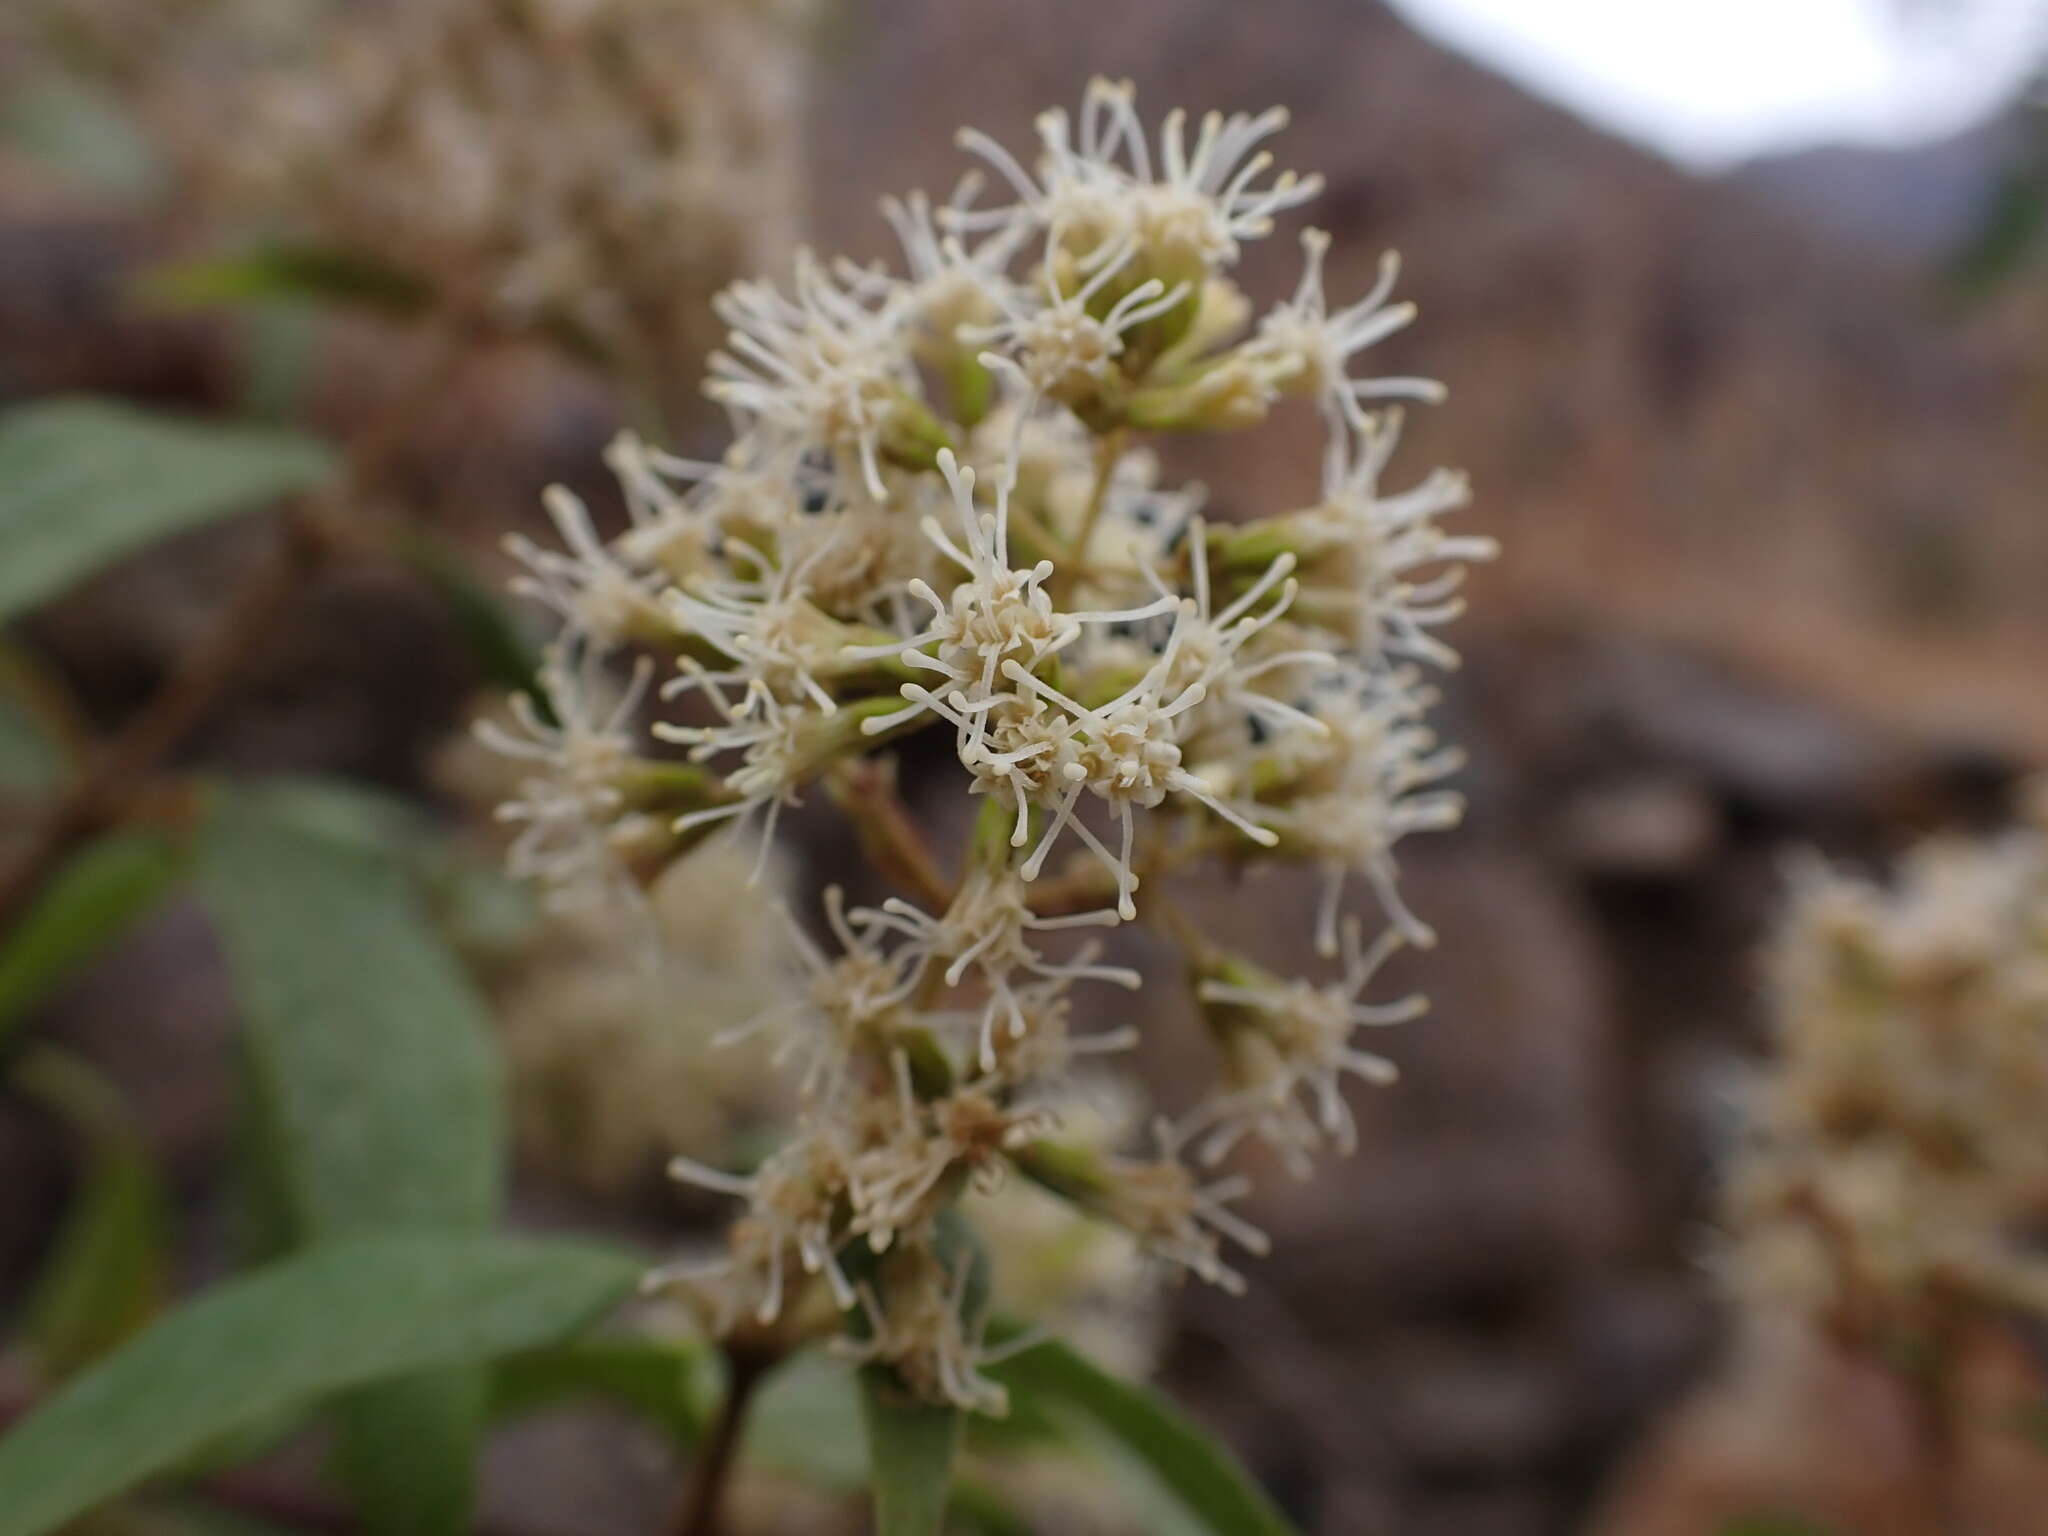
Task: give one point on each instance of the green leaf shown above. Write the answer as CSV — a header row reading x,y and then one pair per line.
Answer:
x,y
369,1042
806,1424
664,1380
85,482
910,1455
282,271
106,1276
1201,1476
339,1316
912,1443
339,811
378,1089
96,896
408,1452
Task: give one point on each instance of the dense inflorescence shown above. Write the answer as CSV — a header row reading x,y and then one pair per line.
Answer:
x,y
591,169
1896,1177
938,513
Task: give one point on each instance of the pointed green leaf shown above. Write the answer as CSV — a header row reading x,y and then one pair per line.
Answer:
x,y
1201,1476
378,1088
806,1424
338,1316
910,1455
912,1443
370,1044
94,898
85,482
106,1276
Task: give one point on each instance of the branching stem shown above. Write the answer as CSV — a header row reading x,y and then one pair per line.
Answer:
x,y
864,790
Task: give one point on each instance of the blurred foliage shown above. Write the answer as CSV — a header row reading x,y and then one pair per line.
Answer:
x,y
342,1315
380,1091
85,482
910,1455
109,1272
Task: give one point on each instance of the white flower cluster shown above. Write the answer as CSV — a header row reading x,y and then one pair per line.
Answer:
x,y
1896,1166
593,169
939,513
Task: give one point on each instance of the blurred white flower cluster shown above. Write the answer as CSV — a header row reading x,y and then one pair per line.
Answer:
x,y
1897,1168
595,167
939,513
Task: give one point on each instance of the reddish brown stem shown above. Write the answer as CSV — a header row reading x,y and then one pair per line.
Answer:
x,y
701,1508
865,793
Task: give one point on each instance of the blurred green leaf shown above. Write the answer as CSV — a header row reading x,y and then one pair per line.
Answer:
x,y
104,888
408,1452
1200,1475
338,1316
806,1424
340,811
84,482
369,1042
910,1455
282,271
1771,1525
82,132
379,1090
106,1276
912,1443
663,1380
502,652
